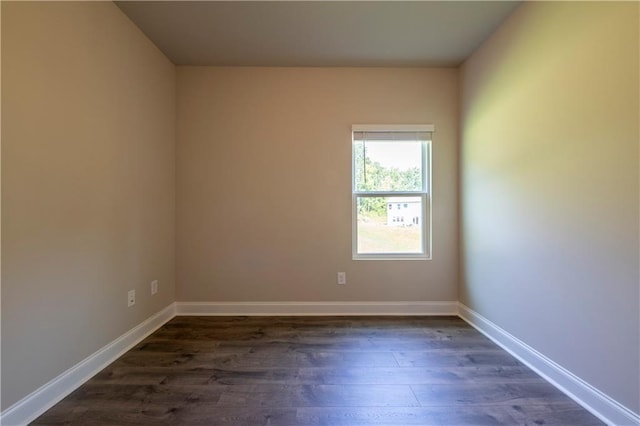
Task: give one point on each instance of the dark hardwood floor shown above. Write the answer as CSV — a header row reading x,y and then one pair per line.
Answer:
x,y
317,371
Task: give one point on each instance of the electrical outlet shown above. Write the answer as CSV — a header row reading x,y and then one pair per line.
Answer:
x,y
342,278
154,287
131,298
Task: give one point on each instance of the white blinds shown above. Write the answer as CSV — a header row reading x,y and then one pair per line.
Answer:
x,y
392,132
391,136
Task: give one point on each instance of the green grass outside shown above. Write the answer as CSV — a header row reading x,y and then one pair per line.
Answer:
x,y
374,236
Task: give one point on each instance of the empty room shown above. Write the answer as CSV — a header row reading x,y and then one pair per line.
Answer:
x,y
320,213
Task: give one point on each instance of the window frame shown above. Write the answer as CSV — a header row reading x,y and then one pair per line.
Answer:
x,y
425,194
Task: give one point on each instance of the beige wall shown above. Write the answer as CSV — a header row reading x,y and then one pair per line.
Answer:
x,y
88,136
549,163
264,182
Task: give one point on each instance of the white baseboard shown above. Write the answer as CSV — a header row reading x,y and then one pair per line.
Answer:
x,y
35,404
316,308
604,407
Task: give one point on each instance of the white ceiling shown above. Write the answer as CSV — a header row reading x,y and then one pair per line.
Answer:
x,y
318,33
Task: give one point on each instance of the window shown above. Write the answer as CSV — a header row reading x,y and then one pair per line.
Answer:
x,y
391,183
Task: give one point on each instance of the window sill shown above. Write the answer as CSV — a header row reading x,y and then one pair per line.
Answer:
x,y
387,256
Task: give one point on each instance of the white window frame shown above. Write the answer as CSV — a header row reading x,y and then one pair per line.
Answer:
x,y
425,195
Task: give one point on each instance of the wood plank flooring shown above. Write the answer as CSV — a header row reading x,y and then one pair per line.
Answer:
x,y
316,371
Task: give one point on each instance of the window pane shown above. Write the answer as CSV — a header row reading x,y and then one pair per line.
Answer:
x,y
385,225
388,166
